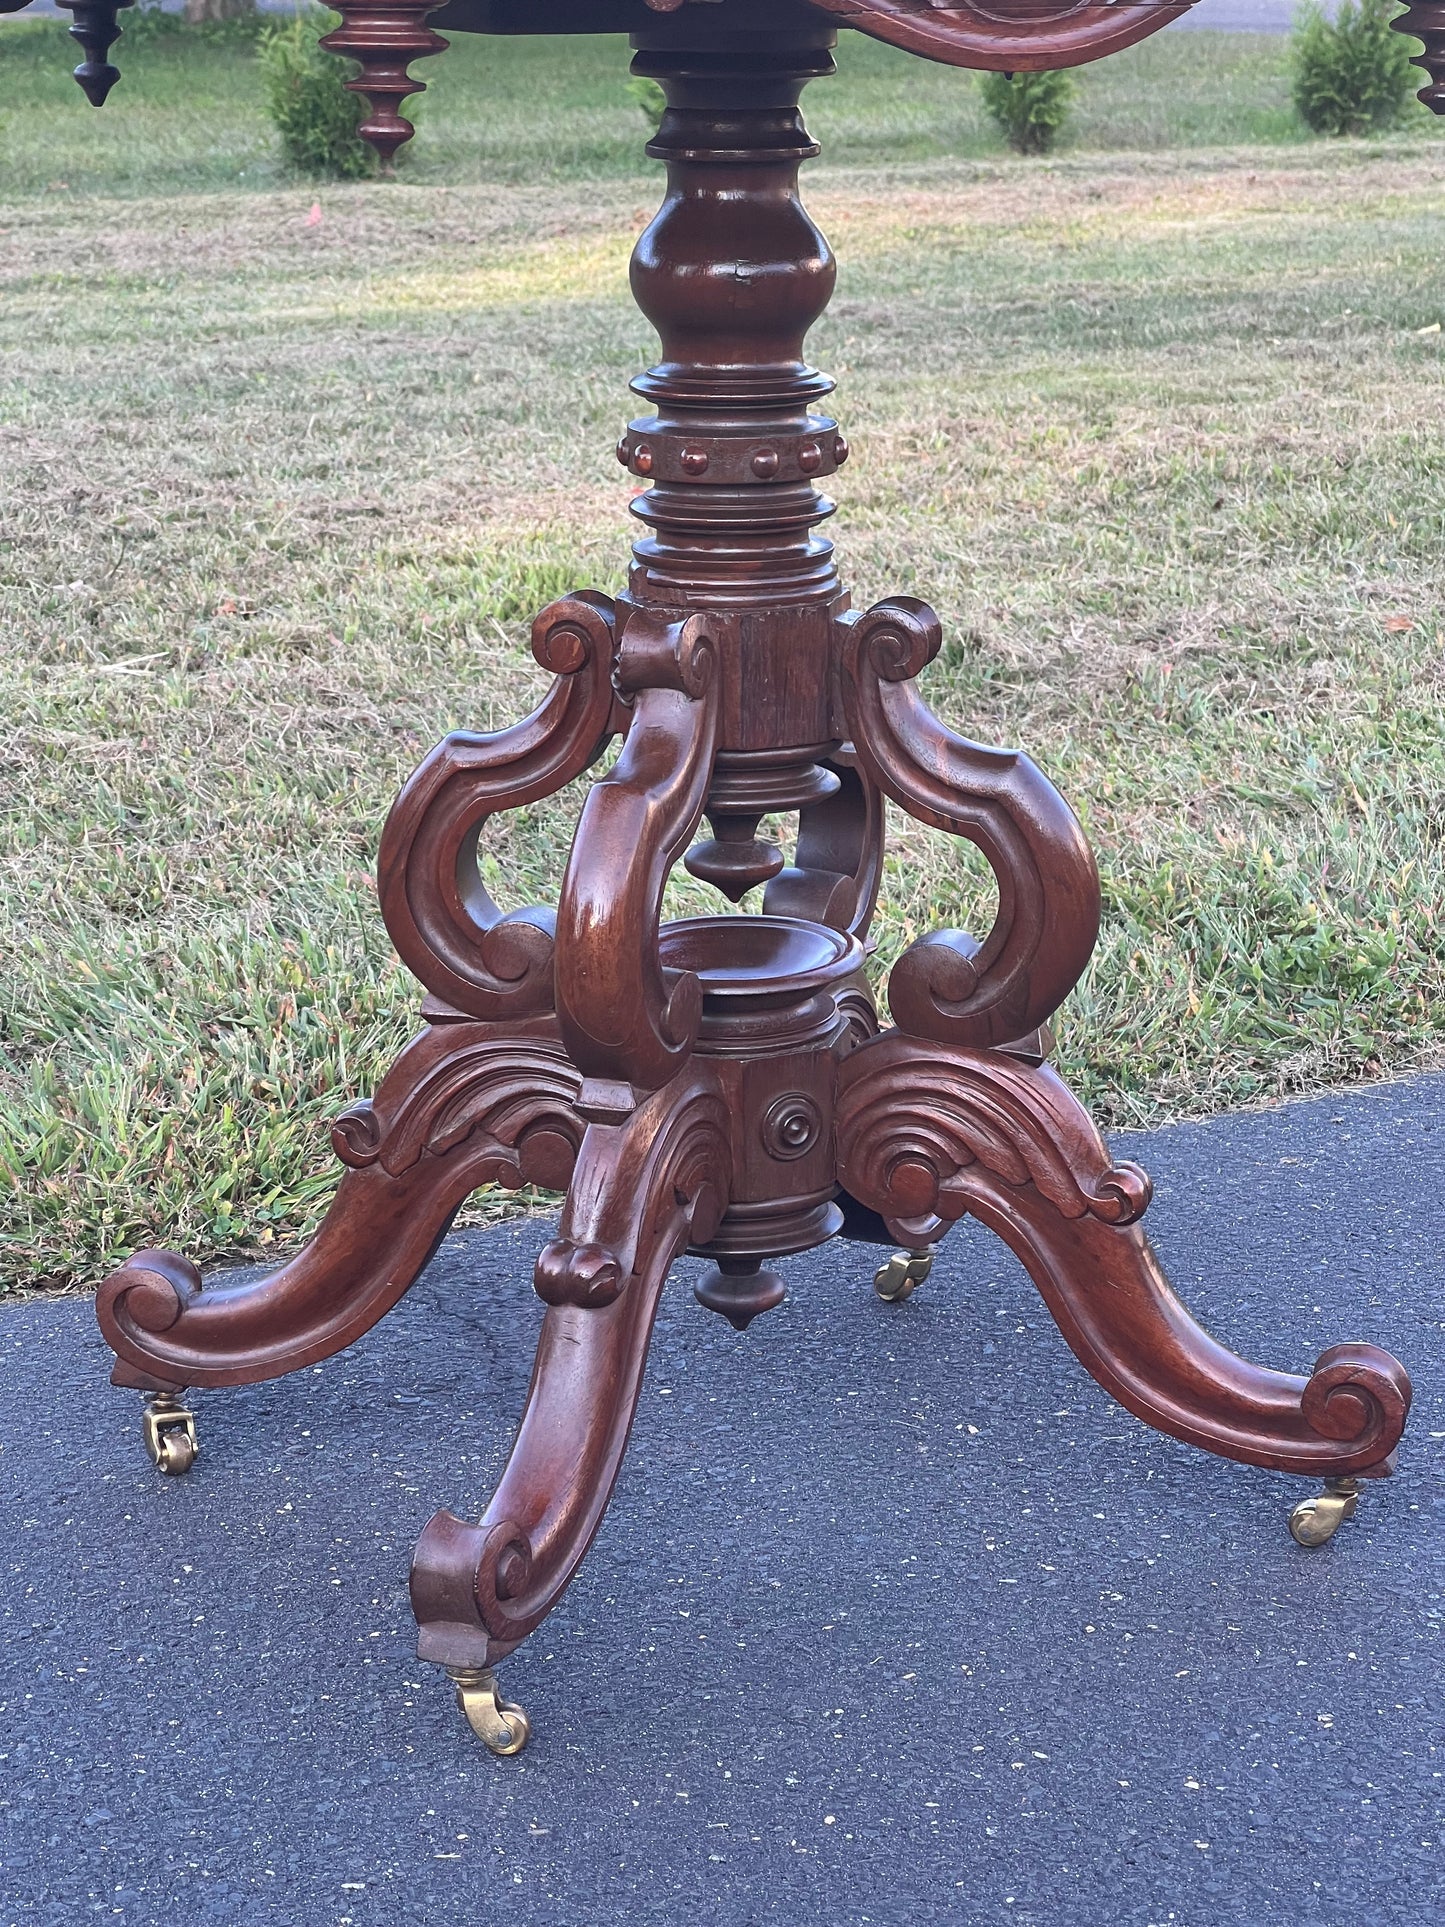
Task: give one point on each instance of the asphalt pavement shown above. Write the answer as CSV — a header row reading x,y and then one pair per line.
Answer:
x,y
896,1618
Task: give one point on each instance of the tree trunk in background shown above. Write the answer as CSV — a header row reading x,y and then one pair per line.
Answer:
x,y
198,12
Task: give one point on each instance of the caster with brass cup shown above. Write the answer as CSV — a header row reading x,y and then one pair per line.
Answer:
x,y
1314,1522
502,1728
904,1272
169,1431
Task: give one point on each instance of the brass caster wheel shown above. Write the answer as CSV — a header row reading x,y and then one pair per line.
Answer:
x,y
904,1272
169,1431
500,1726
1314,1522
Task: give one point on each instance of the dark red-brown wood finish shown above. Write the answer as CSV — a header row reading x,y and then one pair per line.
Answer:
x,y
722,1085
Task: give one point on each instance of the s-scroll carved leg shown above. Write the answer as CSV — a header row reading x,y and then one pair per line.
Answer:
x,y
947,986
445,926
644,1188
927,1134
463,1106
625,1019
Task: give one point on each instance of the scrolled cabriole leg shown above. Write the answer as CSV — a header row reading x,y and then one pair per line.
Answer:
x,y
927,1134
485,1095
465,1105
645,1187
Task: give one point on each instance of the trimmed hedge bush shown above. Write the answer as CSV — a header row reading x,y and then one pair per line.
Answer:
x,y
1030,109
1351,75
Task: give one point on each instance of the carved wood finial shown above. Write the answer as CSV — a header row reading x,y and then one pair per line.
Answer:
x,y
1425,21
94,29
383,37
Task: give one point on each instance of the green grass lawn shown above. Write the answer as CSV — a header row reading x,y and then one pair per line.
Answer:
x,y
1158,431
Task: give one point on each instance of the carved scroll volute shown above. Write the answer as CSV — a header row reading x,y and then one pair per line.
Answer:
x,y
947,987
913,1121
464,1105
656,1181
446,928
625,1020
927,1133
1009,36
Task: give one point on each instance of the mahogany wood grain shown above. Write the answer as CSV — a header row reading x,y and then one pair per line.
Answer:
x,y
1424,20
625,1018
383,37
643,1188
837,864
1009,36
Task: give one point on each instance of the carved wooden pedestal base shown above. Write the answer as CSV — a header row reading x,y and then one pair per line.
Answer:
x,y
722,1085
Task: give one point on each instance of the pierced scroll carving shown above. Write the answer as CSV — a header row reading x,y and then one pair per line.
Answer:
x,y
643,1190
913,1121
636,1185
946,986
569,1049
625,1018
520,1095
446,928
1010,36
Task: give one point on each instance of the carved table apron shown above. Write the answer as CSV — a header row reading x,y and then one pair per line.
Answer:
x,y
726,1085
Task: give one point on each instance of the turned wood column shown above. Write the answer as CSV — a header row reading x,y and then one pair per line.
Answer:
x,y
732,273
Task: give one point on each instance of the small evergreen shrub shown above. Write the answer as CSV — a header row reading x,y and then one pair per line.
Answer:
x,y
1030,109
1351,75
306,93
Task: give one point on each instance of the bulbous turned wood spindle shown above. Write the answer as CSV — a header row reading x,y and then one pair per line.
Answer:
x,y
1425,22
734,859
383,37
95,31
738,1289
